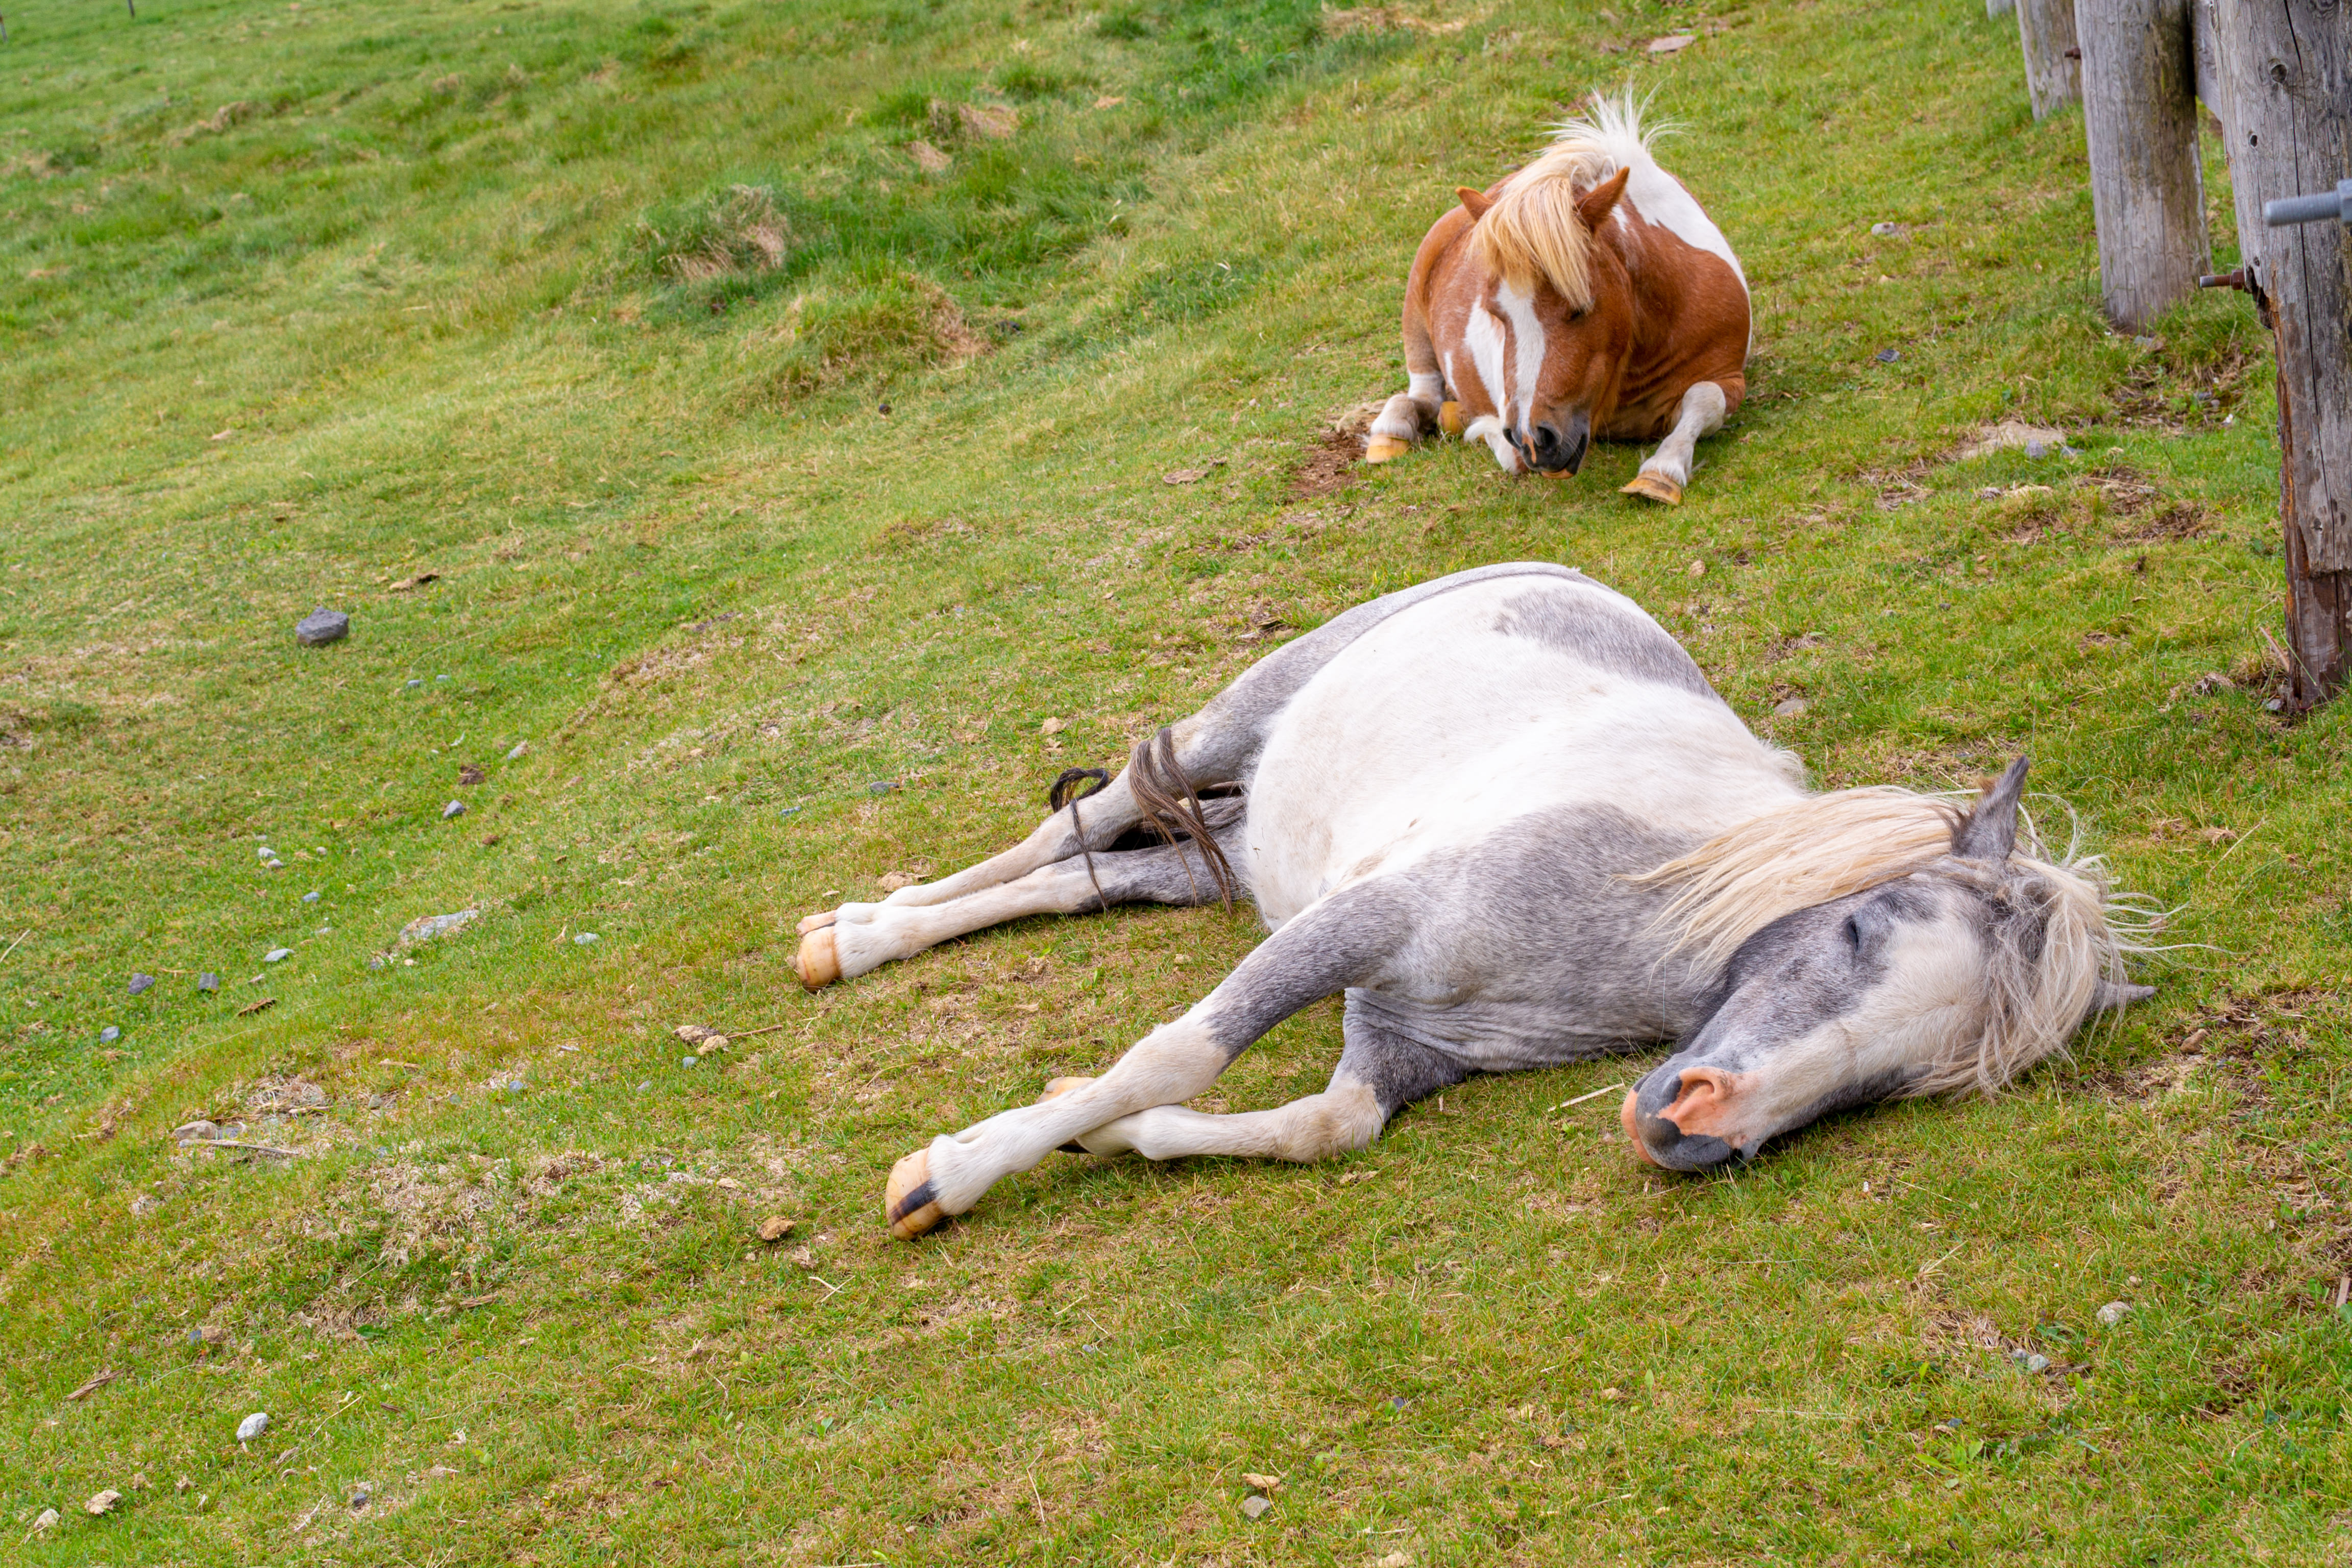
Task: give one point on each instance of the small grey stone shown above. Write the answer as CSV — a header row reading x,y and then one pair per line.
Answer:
x,y
521,748
440,678
2276,705
311,896
1256,1507
881,787
46,1520
278,956
1887,357
320,626
585,938
645,1086
413,682
425,928
688,1061
267,853
252,1426
790,811
1789,708
2114,1312
2036,450
142,983
108,1035
361,1497
196,1132
208,982
2037,1363
514,1086
1884,229
455,808
375,961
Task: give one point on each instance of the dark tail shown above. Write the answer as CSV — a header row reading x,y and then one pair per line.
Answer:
x,y
1171,805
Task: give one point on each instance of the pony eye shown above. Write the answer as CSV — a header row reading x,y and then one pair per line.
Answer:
x,y
1853,933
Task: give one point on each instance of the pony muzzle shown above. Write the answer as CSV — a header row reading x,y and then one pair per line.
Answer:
x,y
1684,1118
1556,446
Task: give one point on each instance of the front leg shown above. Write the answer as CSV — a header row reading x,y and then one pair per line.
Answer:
x,y
1327,947
1405,417
1665,473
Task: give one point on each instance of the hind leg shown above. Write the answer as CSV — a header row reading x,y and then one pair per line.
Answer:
x,y
860,937
1668,469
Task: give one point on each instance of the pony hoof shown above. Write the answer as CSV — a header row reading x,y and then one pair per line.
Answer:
x,y
816,921
1656,486
818,963
906,1201
1449,419
1060,1085
1383,448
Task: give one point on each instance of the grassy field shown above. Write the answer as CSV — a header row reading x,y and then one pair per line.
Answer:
x,y
795,407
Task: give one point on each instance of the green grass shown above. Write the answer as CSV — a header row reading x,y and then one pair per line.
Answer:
x,y
419,306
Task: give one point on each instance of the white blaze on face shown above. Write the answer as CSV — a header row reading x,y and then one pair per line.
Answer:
x,y
1483,334
1527,357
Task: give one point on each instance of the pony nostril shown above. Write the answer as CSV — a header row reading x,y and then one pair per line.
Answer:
x,y
1547,438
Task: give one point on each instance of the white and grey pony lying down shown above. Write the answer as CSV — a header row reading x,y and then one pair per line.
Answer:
x,y
1506,815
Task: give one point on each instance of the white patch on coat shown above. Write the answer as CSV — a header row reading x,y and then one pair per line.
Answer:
x,y
1660,199
1426,387
1528,350
1490,429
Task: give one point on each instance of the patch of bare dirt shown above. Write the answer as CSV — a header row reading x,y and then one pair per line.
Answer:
x,y
1333,460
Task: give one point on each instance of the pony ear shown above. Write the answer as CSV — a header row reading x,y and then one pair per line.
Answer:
x,y
1474,202
1988,831
2109,997
1595,205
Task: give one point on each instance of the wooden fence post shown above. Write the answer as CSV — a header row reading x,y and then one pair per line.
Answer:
x,y
2147,190
2052,79
2286,70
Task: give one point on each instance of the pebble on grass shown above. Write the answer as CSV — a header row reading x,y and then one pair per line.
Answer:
x,y
311,896
585,938
455,808
520,749
208,981
108,1035
141,984
252,1426
2114,1312
46,1520
1256,1507
321,627
278,956
881,787
103,1503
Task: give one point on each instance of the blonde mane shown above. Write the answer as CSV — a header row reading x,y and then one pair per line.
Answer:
x,y
1532,230
2058,929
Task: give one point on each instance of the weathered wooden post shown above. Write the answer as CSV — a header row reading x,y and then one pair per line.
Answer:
x,y
2286,74
2046,28
2147,190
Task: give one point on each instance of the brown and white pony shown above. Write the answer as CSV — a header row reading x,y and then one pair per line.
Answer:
x,y
1585,296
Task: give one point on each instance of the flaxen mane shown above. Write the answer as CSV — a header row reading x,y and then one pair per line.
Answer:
x,y
1532,230
2058,928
